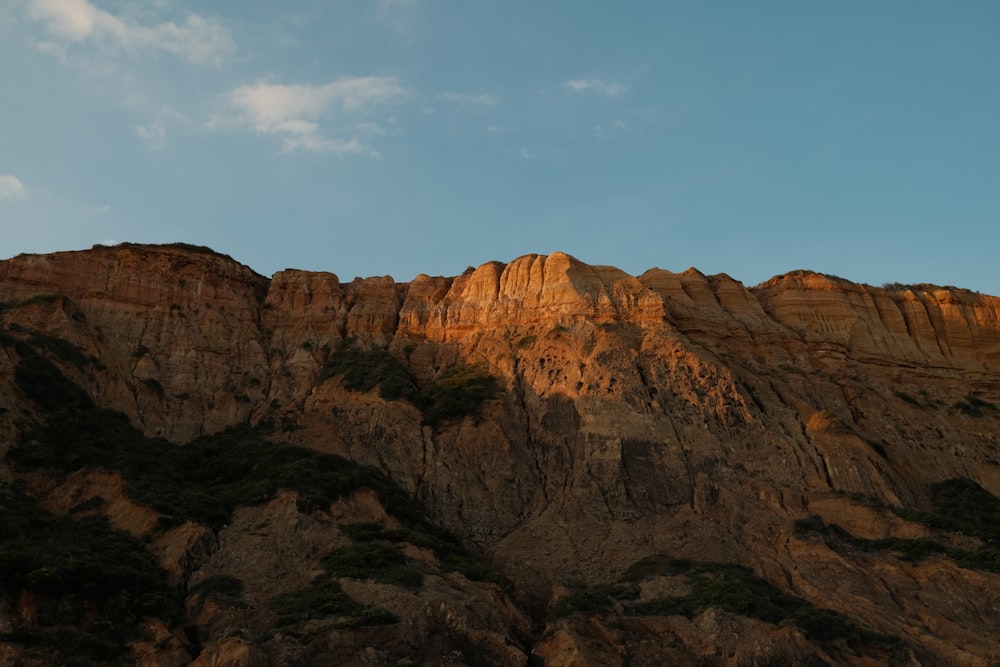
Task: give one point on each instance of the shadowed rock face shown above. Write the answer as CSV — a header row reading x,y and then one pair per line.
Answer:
x,y
670,413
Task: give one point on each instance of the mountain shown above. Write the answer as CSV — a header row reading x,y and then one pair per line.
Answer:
x,y
542,462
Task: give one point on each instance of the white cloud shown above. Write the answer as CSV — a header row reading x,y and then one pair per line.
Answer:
x,y
154,136
484,100
294,111
398,14
269,107
11,187
316,144
595,86
197,39
370,128
527,154
603,132
383,7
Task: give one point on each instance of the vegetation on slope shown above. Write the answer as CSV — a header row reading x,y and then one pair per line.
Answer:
x,y
226,590
324,598
380,561
203,481
452,555
732,588
458,392
92,585
958,506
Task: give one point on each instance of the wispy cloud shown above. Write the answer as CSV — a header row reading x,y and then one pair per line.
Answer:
x,y
315,143
606,132
398,14
11,187
293,112
268,106
483,100
153,135
370,128
598,86
197,39
527,154
386,8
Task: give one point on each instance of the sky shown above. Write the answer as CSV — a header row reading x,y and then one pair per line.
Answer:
x,y
400,137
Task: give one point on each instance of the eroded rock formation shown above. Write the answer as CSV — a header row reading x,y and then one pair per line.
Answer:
x,y
669,413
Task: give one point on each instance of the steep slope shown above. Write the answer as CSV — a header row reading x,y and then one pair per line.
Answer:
x,y
800,428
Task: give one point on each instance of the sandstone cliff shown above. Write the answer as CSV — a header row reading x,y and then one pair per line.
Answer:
x,y
668,413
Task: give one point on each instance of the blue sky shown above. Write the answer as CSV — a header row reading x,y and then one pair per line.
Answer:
x,y
398,137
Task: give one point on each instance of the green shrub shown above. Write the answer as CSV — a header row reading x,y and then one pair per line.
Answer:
x,y
63,349
324,598
154,385
458,392
980,403
91,503
21,303
657,565
94,584
382,562
45,384
967,409
960,506
906,397
368,617
202,481
878,449
223,588
733,588
973,406
370,531
451,553
587,599
525,342
363,370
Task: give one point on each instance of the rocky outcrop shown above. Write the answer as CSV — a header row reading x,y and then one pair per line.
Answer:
x,y
670,413
173,325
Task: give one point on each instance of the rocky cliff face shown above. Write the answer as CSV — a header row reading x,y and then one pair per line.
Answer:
x,y
670,414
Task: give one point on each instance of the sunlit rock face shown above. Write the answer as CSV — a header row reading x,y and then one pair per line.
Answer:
x,y
672,413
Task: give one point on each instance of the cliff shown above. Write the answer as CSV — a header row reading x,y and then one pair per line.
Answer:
x,y
808,429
